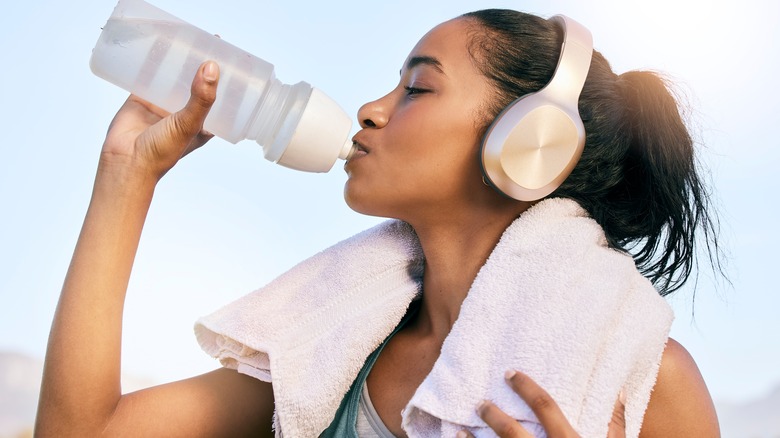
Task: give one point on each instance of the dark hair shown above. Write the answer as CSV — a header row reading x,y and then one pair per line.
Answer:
x,y
638,175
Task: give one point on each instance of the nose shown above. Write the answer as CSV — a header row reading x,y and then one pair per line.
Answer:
x,y
374,114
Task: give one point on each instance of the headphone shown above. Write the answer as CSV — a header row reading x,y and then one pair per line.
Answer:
x,y
535,142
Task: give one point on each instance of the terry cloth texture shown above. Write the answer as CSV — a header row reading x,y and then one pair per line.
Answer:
x,y
552,300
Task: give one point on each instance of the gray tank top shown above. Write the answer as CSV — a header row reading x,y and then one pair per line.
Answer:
x,y
368,424
357,403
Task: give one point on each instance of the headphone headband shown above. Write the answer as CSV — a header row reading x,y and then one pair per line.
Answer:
x,y
573,63
535,142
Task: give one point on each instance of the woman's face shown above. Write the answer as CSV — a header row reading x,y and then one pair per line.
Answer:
x,y
419,144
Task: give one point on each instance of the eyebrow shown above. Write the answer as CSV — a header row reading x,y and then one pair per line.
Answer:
x,y
424,60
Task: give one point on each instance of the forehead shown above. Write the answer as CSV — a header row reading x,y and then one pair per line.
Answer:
x,y
448,43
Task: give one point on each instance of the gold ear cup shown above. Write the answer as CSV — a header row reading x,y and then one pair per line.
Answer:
x,y
541,149
532,147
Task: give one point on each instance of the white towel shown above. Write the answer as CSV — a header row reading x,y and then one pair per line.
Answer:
x,y
552,300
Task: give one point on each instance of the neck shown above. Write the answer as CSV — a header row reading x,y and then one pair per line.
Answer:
x,y
455,250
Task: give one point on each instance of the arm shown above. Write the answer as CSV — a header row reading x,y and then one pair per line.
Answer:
x,y
680,404
80,391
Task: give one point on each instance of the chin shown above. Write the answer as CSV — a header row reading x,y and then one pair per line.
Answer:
x,y
363,207
354,200
364,202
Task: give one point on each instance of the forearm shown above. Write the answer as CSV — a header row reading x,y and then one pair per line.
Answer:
x,y
81,390
81,381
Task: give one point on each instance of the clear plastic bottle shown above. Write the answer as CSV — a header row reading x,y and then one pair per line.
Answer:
x,y
155,55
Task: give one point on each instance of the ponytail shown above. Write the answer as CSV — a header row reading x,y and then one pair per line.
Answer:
x,y
638,176
661,184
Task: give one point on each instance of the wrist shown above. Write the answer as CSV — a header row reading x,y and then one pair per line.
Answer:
x,y
123,173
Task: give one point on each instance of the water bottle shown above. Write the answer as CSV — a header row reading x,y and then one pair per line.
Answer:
x,y
155,55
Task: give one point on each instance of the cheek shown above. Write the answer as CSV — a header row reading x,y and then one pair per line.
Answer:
x,y
427,156
444,169
454,143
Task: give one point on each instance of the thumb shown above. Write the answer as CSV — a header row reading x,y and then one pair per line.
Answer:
x,y
188,122
617,425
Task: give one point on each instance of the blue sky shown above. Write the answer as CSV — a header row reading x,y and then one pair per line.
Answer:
x,y
225,221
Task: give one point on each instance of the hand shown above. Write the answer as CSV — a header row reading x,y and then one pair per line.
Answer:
x,y
149,139
547,411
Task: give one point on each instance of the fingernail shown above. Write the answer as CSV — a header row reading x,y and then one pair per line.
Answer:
x,y
482,406
509,374
461,434
211,71
622,397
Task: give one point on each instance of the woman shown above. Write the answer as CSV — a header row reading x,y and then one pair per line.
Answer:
x,y
418,162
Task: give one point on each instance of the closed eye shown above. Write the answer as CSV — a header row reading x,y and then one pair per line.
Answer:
x,y
412,91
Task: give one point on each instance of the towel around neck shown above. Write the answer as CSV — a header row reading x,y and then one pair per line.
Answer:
x,y
552,300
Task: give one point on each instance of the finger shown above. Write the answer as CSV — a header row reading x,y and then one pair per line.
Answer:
x,y
502,424
547,411
188,122
617,425
154,109
142,112
464,434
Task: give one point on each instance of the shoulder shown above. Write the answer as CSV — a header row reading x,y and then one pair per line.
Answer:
x,y
680,404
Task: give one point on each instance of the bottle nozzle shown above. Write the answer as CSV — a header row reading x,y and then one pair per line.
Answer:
x,y
348,150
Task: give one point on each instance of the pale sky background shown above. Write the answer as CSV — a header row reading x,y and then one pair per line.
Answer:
x,y
225,221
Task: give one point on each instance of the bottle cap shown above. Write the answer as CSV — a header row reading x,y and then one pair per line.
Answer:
x,y
321,136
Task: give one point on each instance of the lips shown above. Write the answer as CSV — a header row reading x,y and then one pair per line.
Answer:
x,y
360,146
360,150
